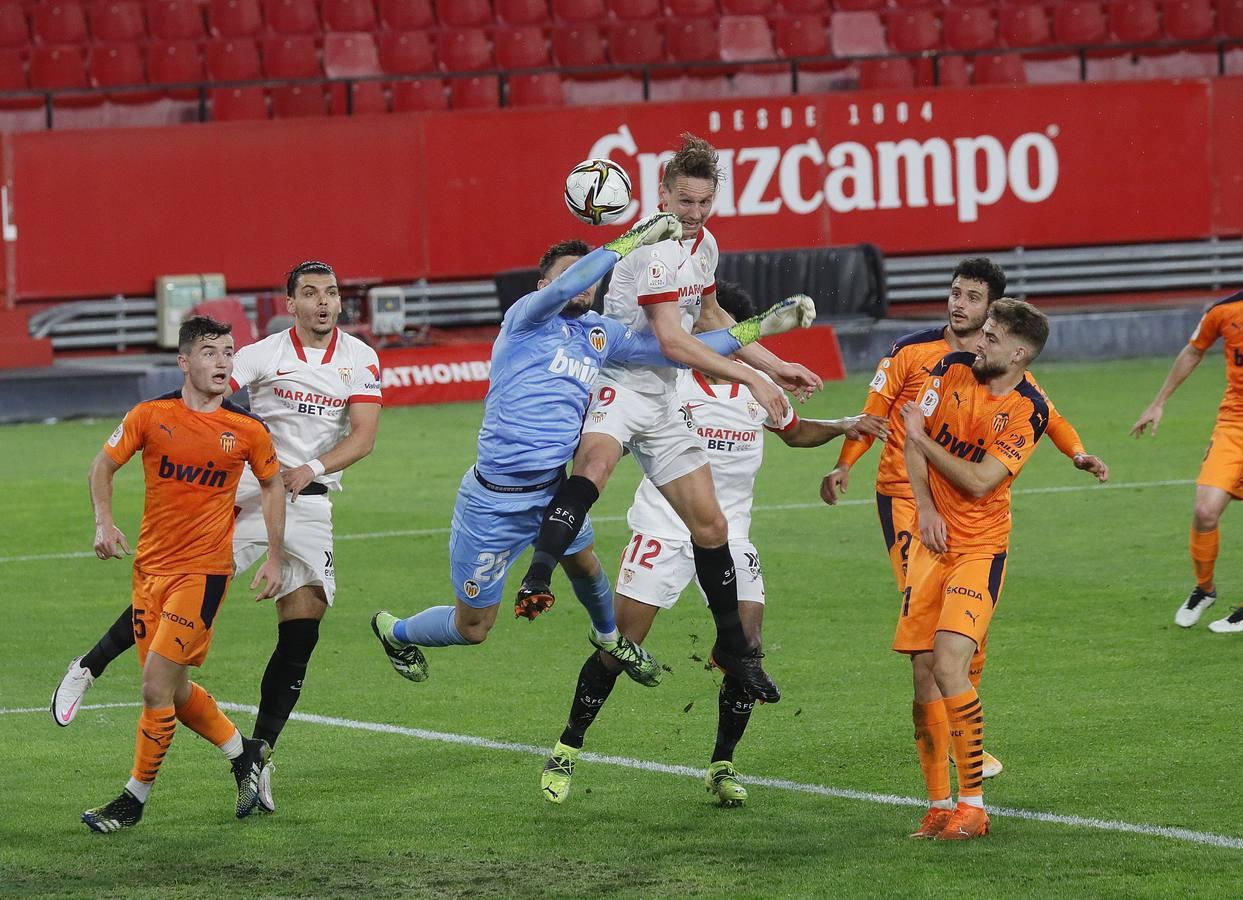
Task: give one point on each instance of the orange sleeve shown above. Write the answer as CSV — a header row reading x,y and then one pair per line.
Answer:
x,y
1208,331
853,451
1014,447
262,457
130,436
1063,434
885,385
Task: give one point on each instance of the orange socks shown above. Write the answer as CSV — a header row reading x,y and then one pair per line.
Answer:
x,y
932,740
155,734
1204,556
966,722
202,716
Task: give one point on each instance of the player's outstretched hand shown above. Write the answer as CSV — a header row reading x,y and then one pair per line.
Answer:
x,y
652,230
798,311
855,427
833,485
110,543
270,575
296,479
772,398
1093,465
1152,416
797,379
932,531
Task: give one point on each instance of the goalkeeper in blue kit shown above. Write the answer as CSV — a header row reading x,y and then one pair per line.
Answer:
x,y
544,361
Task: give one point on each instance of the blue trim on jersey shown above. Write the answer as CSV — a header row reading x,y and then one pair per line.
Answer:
x,y
927,336
957,358
1233,298
1040,407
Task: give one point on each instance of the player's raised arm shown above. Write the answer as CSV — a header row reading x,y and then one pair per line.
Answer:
x,y
552,296
793,377
817,432
1184,364
110,542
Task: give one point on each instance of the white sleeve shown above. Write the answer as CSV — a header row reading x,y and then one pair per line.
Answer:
x,y
657,280
365,379
249,365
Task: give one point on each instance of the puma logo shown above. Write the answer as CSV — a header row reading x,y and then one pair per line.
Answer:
x,y
161,742
969,614
957,399
164,427
181,644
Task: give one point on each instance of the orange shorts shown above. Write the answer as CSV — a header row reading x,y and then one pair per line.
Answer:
x,y
948,592
897,525
1223,461
173,614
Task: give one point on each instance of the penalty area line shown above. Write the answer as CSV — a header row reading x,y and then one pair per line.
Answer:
x,y
760,508
782,784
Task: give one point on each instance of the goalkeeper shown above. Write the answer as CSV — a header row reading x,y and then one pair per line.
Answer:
x,y
544,362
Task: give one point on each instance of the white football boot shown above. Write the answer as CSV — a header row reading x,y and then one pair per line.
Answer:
x,y
1194,606
1231,623
67,698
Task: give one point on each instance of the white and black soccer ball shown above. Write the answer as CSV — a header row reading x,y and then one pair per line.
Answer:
x,y
597,191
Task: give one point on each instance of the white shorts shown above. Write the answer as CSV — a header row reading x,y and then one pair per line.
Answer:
x,y
307,556
655,571
657,431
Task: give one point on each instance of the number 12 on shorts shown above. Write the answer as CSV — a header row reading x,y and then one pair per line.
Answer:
x,y
651,550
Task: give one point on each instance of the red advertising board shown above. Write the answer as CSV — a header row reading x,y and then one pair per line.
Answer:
x,y
467,194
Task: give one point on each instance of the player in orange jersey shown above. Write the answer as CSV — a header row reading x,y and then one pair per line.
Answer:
x,y
1221,474
977,422
899,376
194,447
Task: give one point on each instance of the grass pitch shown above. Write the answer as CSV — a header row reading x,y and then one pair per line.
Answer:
x,y
1098,705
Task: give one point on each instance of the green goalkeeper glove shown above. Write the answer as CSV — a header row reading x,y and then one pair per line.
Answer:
x,y
652,230
798,311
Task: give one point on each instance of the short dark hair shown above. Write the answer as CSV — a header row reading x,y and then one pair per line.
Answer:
x,y
696,159
197,327
1023,321
734,299
981,268
558,250
310,267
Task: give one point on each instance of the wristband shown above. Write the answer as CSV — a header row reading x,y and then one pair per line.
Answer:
x,y
316,467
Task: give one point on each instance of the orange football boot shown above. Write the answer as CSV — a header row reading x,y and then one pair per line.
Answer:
x,y
933,822
966,823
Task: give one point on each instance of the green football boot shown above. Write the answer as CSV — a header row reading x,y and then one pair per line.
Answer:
x,y
722,780
640,665
407,659
554,781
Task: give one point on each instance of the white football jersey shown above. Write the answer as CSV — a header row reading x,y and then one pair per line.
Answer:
x,y
671,271
304,394
731,424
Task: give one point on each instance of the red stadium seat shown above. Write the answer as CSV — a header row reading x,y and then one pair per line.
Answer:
x,y
694,40
61,67
1188,20
350,55
521,47
1024,25
426,94
690,9
541,89
292,56
463,13
914,31
61,22
969,28
233,59
349,15
1079,22
1230,14
804,7
1000,68
522,12
291,16
951,72
970,2
857,33
802,36
746,37
464,49
175,62
406,52
234,18
895,72
480,92
238,104
14,30
175,20
299,101
1134,21
636,9
579,11
120,65
115,21
578,46
13,78
406,15
840,6
745,7
365,98
636,43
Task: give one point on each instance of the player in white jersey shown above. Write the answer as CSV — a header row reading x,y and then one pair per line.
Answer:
x,y
658,562
665,289
318,390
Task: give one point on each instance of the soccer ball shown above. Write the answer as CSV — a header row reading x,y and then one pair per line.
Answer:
x,y
597,191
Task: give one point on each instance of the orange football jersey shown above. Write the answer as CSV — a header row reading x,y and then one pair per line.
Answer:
x,y
899,378
962,416
1225,320
191,462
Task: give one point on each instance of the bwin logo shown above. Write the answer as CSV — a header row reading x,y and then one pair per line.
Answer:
x,y
582,369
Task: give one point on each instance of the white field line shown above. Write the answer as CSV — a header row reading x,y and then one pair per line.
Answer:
x,y
1088,485
1161,831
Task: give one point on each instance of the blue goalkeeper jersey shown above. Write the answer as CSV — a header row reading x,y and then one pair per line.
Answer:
x,y
543,368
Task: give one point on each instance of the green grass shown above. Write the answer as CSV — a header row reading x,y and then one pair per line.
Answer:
x,y
1097,704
